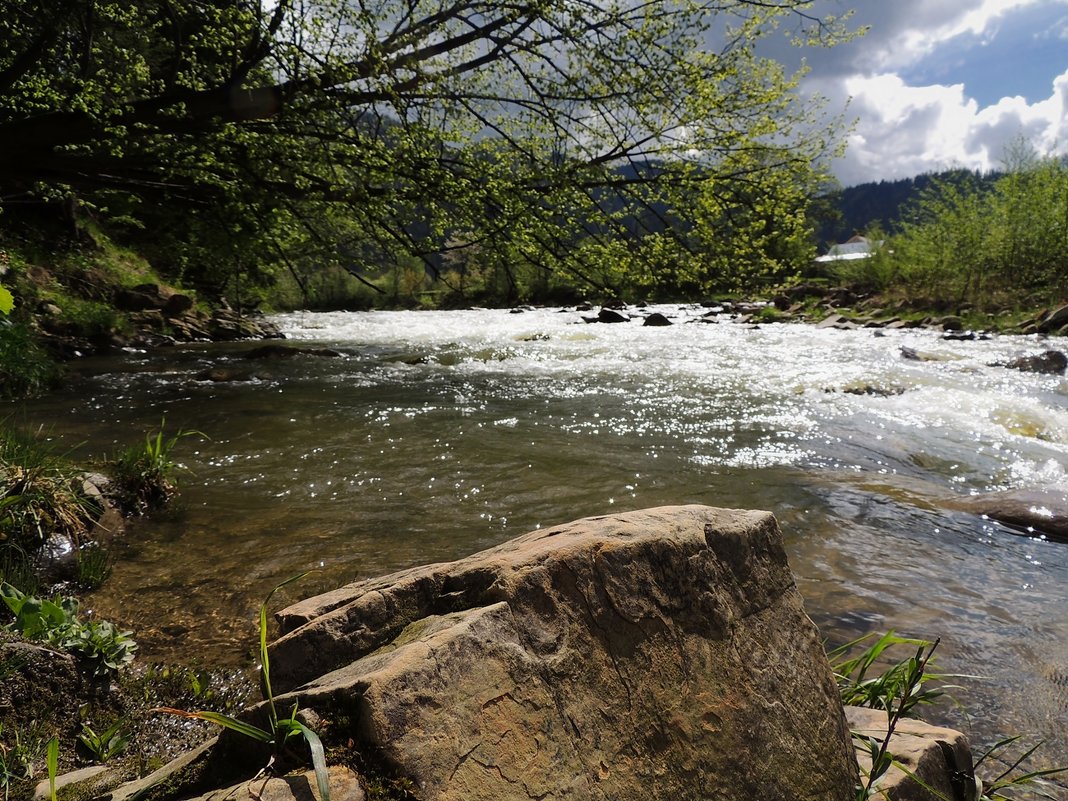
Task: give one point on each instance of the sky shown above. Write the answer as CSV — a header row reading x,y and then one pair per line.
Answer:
x,y
937,84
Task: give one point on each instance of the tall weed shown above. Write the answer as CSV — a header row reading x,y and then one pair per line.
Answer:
x,y
280,729
870,679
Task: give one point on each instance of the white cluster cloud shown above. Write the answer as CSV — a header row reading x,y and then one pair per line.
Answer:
x,y
904,129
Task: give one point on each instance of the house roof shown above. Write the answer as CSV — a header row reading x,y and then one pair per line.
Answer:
x,y
857,247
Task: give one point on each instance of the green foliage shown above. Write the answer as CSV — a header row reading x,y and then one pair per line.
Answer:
x,y
18,754
969,243
1011,777
100,646
25,368
869,680
279,730
105,745
143,474
7,301
88,318
52,762
894,688
17,569
239,141
94,566
898,691
40,494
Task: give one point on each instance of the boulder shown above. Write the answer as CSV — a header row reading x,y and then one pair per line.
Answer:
x,y
655,654
84,776
913,355
190,327
227,325
607,315
177,304
289,352
951,323
656,318
143,297
344,786
834,321
1041,511
1051,362
939,760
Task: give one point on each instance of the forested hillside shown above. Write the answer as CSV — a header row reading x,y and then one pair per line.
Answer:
x,y
881,205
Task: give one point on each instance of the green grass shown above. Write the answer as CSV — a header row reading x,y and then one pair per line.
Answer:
x,y
144,474
279,729
40,493
26,369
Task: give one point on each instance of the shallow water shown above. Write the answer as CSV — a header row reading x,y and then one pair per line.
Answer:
x,y
436,434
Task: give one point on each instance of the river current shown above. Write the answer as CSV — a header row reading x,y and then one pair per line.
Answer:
x,y
436,434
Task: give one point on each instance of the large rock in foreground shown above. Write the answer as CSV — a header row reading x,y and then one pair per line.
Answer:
x,y
661,654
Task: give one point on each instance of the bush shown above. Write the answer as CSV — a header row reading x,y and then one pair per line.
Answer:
x,y
25,368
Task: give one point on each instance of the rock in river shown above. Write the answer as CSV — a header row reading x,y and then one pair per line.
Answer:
x,y
1041,511
655,654
1050,361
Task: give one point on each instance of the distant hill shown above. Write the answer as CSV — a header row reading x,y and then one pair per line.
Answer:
x,y
857,209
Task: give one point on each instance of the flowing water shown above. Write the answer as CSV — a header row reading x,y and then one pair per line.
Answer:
x,y
437,434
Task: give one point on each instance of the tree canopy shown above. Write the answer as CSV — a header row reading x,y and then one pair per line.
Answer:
x,y
598,136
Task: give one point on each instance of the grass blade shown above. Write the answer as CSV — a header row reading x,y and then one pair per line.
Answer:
x,y
318,755
219,719
264,660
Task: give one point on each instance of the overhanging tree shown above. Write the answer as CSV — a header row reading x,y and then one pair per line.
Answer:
x,y
597,136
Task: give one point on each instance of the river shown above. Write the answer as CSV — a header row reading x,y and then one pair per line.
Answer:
x,y
437,434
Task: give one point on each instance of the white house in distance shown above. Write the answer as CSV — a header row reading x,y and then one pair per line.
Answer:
x,y
858,247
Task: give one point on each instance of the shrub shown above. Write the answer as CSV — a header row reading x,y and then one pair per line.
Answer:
x,y
40,494
898,688
25,368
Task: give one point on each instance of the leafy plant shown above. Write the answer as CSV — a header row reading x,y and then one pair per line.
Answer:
x,y
102,747
898,688
143,474
898,691
279,730
17,757
25,368
99,644
894,688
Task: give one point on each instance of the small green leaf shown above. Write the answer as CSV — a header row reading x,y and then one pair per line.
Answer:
x,y
7,301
